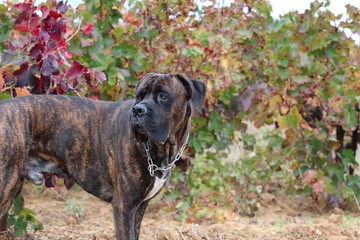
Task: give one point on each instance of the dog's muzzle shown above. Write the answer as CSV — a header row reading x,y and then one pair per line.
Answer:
x,y
139,110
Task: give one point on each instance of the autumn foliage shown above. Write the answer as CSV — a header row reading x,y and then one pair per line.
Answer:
x,y
298,74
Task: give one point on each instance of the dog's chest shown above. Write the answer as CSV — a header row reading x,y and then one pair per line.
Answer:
x,y
159,183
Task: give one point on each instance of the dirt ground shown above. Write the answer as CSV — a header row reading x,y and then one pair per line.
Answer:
x,y
78,215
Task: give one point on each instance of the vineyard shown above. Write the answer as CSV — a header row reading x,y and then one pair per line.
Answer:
x,y
281,116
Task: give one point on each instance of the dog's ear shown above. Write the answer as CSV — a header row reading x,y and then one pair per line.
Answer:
x,y
196,90
198,94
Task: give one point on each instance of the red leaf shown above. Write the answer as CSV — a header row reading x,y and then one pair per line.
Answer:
x,y
45,11
63,7
88,79
55,33
22,27
41,85
100,76
63,44
69,31
68,54
44,35
55,15
48,23
60,83
23,6
89,28
23,67
25,75
36,31
208,51
50,66
34,21
74,71
22,20
23,16
62,25
37,50
95,97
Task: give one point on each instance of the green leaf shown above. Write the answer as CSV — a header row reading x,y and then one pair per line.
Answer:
x,y
347,157
203,36
118,33
11,220
353,180
37,226
350,115
215,121
193,52
283,73
3,8
113,75
284,62
4,96
18,204
27,212
125,49
20,228
335,170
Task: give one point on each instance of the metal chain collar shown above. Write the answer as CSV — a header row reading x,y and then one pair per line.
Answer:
x,y
153,167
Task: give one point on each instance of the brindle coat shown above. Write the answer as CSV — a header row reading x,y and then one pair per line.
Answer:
x,y
99,145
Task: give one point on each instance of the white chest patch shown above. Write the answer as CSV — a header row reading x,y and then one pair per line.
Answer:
x,y
159,183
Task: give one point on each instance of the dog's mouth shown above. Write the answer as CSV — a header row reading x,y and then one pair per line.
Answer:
x,y
140,129
140,133
149,128
138,126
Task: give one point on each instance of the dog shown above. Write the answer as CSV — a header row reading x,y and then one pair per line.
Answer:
x,y
121,152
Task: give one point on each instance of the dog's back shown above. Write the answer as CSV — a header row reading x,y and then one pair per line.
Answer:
x,y
44,133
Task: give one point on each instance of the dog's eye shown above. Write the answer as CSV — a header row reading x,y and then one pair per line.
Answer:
x,y
163,96
138,98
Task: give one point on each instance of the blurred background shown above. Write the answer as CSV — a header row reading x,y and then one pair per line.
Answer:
x,y
282,110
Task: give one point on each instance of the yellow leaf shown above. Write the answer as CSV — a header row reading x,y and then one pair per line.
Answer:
x,y
292,119
281,120
274,101
21,91
225,63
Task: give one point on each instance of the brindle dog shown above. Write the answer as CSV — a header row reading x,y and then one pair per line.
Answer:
x,y
121,152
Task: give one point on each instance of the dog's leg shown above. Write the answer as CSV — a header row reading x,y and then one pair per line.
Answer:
x,y
139,216
5,203
10,180
3,224
124,217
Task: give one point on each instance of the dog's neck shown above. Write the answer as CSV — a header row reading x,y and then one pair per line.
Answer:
x,y
163,156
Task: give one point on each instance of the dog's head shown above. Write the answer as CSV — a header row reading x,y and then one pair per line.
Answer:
x,y
163,103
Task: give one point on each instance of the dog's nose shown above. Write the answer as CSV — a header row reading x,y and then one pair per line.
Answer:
x,y
139,110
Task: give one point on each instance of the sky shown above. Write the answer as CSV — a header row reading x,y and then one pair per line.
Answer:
x,y
283,6
280,7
